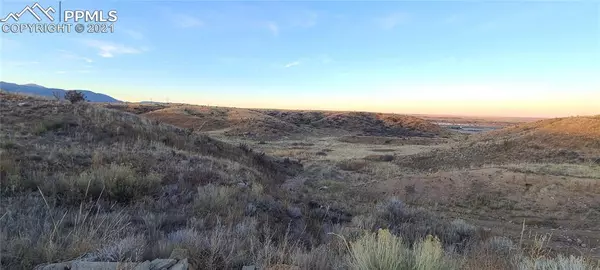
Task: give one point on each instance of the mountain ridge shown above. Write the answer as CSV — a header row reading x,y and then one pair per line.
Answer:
x,y
40,90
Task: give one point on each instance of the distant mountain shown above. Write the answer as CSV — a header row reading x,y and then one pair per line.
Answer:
x,y
39,90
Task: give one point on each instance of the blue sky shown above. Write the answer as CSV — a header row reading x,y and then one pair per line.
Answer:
x,y
517,58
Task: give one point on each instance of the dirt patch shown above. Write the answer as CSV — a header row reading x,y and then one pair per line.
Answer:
x,y
380,158
377,140
135,108
382,150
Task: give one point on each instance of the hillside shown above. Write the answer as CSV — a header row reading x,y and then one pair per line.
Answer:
x,y
277,124
86,183
38,90
580,133
85,170
559,140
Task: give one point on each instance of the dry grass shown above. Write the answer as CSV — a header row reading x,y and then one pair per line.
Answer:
x,y
578,133
79,182
575,170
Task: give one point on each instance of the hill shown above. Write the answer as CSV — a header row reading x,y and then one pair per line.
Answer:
x,y
580,133
84,182
86,171
38,90
276,124
560,140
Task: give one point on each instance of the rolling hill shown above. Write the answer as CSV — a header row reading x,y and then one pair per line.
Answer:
x,y
274,124
560,140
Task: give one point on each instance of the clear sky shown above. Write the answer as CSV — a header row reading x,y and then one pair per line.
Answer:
x,y
506,58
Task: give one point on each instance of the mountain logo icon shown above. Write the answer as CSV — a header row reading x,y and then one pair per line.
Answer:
x,y
32,10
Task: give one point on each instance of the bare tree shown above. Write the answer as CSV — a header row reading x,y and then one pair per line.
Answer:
x,y
56,95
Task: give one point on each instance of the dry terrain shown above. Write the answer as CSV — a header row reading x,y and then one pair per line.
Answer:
x,y
293,189
263,124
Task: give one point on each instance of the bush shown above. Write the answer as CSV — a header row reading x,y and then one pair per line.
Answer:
x,y
75,96
213,199
559,263
385,251
413,224
115,182
379,251
352,165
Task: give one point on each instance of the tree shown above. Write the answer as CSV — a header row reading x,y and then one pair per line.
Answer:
x,y
74,96
56,95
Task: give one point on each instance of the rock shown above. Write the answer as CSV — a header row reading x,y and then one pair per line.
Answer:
x,y
54,266
179,254
23,104
143,266
162,264
294,212
181,265
249,267
583,245
579,241
79,265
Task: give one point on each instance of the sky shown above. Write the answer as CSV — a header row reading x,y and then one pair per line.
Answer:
x,y
494,58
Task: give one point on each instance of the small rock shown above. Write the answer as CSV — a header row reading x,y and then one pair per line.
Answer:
x,y
79,265
579,241
161,264
181,265
583,245
54,266
143,266
23,104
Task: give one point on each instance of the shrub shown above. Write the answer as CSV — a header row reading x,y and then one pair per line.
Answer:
x,y
429,255
129,248
385,251
352,165
75,96
382,251
115,182
213,199
559,263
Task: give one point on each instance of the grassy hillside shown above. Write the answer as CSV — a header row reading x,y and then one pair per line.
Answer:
x,y
581,133
276,124
84,182
562,140
77,178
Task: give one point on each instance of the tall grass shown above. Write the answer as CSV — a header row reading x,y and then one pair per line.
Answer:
x,y
384,251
